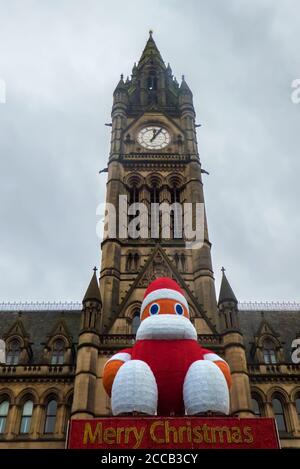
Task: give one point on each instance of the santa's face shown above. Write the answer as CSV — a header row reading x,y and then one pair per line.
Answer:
x,y
166,319
165,306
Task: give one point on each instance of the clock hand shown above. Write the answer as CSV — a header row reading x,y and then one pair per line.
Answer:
x,y
156,134
153,135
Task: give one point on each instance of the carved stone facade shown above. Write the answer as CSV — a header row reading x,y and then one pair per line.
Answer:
x,y
55,357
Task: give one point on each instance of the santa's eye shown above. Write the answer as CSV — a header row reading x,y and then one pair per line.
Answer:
x,y
154,309
178,309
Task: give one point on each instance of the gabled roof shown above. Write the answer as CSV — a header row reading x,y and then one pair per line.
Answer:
x,y
266,328
138,283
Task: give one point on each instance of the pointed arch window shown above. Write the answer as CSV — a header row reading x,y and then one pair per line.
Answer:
x,y
26,417
14,351
58,352
279,414
50,420
136,321
4,408
269,352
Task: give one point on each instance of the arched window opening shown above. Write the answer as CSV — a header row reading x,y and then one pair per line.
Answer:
x,y
175,195
154,195
279,414
58,352
231,319
176,214
136,259
256,406
133,195
26,417
152,81
129,262
226,320
50,420
4,408
132,261
136,321
182,261
269,351
14,351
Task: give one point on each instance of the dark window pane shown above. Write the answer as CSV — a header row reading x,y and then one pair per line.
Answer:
x,y
4,407
26,417
13,354
51,417
277,407
135,323
255,407
279,414
2,424
52,406
269,352
50,424
266,357
280,423
58,354
25,424
298,406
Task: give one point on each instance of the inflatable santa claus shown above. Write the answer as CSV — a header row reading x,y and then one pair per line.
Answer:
x,y
167,372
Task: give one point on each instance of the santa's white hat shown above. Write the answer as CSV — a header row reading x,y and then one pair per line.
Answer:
x,y
163,288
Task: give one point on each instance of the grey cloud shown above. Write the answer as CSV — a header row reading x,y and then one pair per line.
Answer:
x,y
61,61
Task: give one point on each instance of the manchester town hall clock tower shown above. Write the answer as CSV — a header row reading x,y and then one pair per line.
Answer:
x,y
55,352
154,159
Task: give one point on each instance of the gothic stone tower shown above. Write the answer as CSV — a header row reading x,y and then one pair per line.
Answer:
x,y
154,169
153,159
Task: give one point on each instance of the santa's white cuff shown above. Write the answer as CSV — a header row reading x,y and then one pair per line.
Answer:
x,y
123,356
213,357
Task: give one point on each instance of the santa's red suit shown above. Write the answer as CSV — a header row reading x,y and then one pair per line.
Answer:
x,y
166,372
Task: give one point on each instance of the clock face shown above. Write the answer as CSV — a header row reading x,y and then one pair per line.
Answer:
x,y
154,137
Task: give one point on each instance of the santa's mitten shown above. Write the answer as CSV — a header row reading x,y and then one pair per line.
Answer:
x,y
134,389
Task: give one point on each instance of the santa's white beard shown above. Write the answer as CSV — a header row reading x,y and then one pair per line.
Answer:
x,y
166,327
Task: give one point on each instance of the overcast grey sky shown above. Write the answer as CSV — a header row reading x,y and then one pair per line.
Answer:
x,y
61,61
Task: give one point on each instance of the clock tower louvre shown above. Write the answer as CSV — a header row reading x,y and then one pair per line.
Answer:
x,y
154,159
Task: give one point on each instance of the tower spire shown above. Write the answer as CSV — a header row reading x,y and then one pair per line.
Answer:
x,y
184,87
151,52
226,292
93,292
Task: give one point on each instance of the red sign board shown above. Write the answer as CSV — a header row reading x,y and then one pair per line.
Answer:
x,y
172,432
